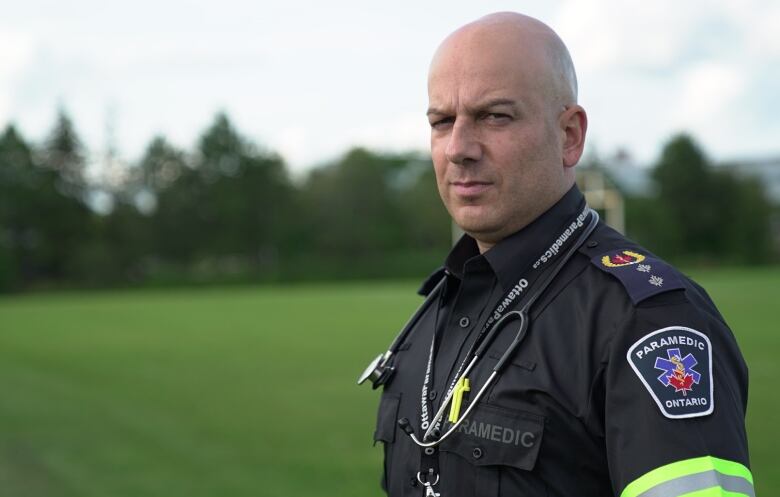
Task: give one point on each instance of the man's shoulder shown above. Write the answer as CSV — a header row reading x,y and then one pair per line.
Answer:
x,y
642,274
430,282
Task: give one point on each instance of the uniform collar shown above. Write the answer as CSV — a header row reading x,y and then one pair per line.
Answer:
x,y
513,255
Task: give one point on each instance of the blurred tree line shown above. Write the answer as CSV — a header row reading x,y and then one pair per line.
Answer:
x,y
701,214
225,211
230,211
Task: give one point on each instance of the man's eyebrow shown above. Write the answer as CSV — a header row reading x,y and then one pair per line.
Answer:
x,y
483,105
498,102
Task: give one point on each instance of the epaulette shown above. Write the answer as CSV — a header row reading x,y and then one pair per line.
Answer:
x,y
431,281
642,274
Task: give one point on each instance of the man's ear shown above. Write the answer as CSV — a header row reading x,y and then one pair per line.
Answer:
x,y
574,124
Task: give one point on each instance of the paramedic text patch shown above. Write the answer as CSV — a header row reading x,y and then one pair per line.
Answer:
x,y
675,365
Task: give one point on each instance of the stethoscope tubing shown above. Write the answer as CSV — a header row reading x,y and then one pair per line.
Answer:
x,y
485,343
460,419
523,314
412,322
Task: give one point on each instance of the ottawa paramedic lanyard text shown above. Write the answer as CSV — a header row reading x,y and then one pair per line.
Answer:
x,y
460,385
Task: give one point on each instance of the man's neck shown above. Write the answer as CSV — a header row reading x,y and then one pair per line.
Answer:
x,y
484,246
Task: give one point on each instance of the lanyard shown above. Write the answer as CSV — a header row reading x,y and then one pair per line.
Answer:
x,y
503,304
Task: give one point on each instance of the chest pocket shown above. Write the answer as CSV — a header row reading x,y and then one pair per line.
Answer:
x,y
385,429
497,448
386,418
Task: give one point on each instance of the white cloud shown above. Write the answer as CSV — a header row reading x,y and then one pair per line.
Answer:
x,y
291,143
309,86
404,131
764,40
709,90
16,52
303,148
648,70
604,34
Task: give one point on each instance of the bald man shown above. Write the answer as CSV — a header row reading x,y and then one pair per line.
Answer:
x,y
553,356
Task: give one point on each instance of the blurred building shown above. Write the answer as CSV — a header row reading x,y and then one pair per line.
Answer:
x,y
607,183
766,170
634,180
603,194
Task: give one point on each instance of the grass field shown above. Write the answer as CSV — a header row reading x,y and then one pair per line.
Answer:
x,y
248,391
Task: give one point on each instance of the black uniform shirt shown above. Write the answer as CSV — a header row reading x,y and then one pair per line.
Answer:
x,y
628,383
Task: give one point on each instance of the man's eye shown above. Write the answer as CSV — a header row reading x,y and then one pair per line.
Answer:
x,y
497,117
442,123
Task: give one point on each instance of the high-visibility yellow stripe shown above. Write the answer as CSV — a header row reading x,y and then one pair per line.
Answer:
x,y
681,469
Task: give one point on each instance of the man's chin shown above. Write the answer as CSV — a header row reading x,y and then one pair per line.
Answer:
x,y
472,217
479,228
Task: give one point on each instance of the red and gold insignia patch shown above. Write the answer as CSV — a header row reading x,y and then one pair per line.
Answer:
x,y
642,274
623,258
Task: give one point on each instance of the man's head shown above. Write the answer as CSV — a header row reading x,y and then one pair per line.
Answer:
x,y
506,130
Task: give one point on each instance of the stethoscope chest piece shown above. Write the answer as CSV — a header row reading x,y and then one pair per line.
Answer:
x,y
377,371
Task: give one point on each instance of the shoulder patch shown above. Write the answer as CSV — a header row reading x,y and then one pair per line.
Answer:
x,y
675,365
643,275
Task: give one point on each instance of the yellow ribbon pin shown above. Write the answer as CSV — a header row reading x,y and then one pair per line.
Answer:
x,y
461,387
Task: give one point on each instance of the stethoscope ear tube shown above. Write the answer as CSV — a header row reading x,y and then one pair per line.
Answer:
x,y
471,406
541,289
510,351
495,328
500,324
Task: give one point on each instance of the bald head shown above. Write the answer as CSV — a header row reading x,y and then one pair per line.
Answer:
x,y
506,129
518,40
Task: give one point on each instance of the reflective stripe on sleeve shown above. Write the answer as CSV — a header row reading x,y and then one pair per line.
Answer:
x,y
700,477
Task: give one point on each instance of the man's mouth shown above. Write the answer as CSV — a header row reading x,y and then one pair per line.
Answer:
x,y
470,188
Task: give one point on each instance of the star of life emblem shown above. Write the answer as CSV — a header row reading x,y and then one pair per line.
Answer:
x,y
678,371
684,387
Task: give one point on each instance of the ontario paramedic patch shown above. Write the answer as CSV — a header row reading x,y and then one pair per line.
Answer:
x,y
675,365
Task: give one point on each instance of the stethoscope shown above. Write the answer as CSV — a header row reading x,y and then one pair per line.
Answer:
x,y
380,370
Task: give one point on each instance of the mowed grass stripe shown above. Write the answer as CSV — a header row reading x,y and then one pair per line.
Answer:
x,y
245,391
229,392
749,300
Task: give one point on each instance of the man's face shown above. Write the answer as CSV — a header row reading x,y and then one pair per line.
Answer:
x,y
495,138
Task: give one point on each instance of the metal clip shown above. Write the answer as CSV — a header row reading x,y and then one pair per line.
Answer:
x,y
428,485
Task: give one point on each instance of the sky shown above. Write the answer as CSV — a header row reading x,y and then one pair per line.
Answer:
x,y
309,79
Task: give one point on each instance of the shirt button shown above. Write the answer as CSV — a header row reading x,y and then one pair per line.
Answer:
x,y
592,244
464,322
477,452
432,395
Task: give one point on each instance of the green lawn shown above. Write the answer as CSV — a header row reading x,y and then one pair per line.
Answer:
x,y
246,391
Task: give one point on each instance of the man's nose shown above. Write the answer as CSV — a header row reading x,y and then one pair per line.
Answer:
x,y
463,147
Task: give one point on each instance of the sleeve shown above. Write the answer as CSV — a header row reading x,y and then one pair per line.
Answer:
x,y
675,400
